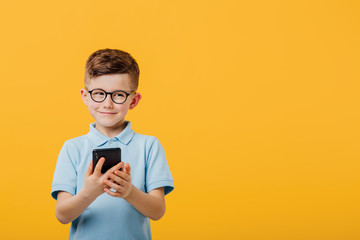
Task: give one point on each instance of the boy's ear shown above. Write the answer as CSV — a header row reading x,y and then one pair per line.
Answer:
x,y
135,101
84,94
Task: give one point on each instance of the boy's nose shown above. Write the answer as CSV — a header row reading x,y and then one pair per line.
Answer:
x,y
108,101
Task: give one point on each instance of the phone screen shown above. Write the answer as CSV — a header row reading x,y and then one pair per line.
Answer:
x,y
112,157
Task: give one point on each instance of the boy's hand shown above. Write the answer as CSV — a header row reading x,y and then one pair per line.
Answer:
x,y
94,181
120,180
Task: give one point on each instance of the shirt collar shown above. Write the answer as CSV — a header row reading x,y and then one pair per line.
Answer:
x,y
99,139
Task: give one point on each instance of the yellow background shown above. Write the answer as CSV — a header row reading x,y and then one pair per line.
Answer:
x,y
255,102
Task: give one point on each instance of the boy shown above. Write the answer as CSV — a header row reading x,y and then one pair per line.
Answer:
x,y
118,203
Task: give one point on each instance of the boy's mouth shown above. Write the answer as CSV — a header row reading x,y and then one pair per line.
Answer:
x,y
108,113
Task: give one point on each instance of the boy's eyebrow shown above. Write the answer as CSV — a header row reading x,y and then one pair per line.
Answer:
x,y
130,91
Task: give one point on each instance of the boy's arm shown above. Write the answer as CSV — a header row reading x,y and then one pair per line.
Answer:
x,y
69,207
150,204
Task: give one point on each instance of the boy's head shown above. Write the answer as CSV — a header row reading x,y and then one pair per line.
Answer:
x,y
112,61
111,81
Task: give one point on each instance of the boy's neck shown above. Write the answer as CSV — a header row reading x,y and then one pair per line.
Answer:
x,y
111,131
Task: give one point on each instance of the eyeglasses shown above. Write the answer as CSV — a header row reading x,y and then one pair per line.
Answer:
x,y
99,95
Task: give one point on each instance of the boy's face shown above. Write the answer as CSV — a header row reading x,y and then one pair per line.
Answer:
x,y
107,114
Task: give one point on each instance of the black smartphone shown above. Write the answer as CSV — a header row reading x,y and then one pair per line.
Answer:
x,y
112,157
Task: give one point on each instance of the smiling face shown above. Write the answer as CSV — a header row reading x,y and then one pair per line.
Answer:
x,y
109,116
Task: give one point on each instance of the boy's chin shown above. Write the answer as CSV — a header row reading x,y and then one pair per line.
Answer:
x,y
109,124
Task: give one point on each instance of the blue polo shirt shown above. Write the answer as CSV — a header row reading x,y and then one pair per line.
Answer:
x,y
110,217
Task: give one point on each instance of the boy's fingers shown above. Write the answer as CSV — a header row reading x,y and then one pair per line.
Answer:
x,y
116,167
123,174
89,169
111,193
127,168
99,165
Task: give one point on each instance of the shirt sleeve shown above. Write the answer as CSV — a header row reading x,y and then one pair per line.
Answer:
x,y
65,172
157,169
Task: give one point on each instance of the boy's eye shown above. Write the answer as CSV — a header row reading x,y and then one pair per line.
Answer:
x,y
98,93
119,94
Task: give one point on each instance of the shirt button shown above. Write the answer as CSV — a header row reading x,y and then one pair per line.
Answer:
x,y
111,141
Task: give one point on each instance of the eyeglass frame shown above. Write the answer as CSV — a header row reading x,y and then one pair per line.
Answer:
x,y
109,93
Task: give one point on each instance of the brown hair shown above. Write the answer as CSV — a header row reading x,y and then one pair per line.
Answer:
x,y
112,61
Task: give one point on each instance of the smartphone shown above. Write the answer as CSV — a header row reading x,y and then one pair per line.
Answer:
x,y
112,157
